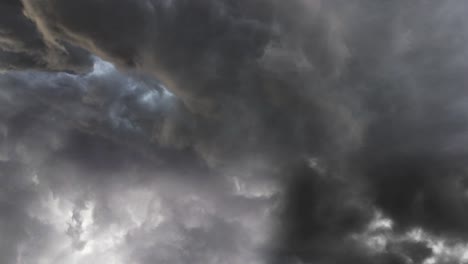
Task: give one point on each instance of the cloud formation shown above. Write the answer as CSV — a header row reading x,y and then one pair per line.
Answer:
x,y
22,45
176,131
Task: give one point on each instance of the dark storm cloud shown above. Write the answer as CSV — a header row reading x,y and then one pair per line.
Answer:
x,y
407,71
22,46
224,60
352,107
183,42
413,155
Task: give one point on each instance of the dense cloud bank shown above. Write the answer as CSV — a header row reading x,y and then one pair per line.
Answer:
x,y
248,131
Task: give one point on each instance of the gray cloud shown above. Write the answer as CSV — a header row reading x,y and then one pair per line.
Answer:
x,y
232,131
87,143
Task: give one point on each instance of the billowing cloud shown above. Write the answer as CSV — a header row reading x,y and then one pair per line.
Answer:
x,y
174,131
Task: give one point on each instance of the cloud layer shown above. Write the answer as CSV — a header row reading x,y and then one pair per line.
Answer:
x,y
176,131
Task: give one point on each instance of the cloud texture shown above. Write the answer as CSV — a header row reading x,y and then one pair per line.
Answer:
x,y
248,131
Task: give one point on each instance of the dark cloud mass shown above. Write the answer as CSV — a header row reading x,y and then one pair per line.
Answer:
x,y
22,45
247,131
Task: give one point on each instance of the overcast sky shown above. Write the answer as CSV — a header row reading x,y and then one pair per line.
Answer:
x,y
233,132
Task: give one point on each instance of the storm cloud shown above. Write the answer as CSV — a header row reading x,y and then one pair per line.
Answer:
x,y
22,46
249,131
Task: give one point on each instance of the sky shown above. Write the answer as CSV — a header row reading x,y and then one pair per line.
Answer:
x,y
233,132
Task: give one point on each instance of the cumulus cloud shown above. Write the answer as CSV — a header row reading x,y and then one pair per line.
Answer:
x,y
304,131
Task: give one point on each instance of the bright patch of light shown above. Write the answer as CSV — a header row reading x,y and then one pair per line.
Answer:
x,y
416,235
102,243
252,190
53,211
102,67
379,222
378,233
154,99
